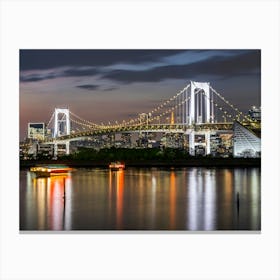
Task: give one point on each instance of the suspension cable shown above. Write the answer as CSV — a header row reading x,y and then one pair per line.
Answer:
x,y
50,120
173,108
162,105
233,107
81,119
82,124
225,113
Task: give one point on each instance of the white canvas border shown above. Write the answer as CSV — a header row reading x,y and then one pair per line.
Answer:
x,y
155,24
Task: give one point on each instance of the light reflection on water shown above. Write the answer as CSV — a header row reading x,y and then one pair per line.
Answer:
x,y
142,199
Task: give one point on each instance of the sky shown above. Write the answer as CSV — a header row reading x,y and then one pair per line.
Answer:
x,y
106,85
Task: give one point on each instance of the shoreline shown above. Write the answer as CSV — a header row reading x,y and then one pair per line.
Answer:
x,y
192,162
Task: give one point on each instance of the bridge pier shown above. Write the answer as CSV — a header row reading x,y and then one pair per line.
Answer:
x,y
193,144
198,110
67,147
55,150
207,143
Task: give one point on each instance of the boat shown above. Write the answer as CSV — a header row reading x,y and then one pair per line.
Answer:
x,y
116,165
50,170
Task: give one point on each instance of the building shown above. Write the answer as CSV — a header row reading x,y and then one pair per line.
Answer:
x,y
126,140
246,143
215,144
23,150
45,151
172,140
36,131
255,113
221,144
142,141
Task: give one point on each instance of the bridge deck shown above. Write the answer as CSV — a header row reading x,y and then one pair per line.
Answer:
x,y
165,128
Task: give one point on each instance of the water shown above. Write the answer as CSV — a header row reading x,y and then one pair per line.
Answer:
x,y
142,199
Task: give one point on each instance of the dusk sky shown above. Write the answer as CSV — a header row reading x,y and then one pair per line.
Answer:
x,y
103,85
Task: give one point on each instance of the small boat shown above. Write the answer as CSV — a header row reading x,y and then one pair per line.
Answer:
x,y
50,170
116,165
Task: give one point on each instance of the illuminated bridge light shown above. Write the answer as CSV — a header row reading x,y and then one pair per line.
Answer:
x,y
187,122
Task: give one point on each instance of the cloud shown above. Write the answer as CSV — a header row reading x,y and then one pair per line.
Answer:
x,y
38,77
96,87
78,72
218,65
247,63
89,87
110,88
41,75
48,59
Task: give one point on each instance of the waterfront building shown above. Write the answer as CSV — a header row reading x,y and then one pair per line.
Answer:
x,y
142,141
221,144
246,142
226,144
23,150
126,140
172,140
28,150
153,143
255,113
215,144
45,150
108,140
36,131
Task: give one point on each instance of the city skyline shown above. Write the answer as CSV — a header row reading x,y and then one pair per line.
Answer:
x,y
105,85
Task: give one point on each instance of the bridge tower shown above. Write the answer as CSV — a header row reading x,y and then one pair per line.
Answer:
x,y
61,127
61,122
198,109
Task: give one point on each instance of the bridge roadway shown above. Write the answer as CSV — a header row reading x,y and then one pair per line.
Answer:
x,y
166,128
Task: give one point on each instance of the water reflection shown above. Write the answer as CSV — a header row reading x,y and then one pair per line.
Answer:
x,y
172,195
201,199
139,198
49,202
120,187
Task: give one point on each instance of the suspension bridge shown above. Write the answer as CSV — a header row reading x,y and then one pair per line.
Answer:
x,y
196,109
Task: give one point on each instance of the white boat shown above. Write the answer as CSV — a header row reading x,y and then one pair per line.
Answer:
x,y
50,170
116,165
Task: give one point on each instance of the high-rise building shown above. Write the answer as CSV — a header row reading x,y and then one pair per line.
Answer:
x,y
36,131
255,113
